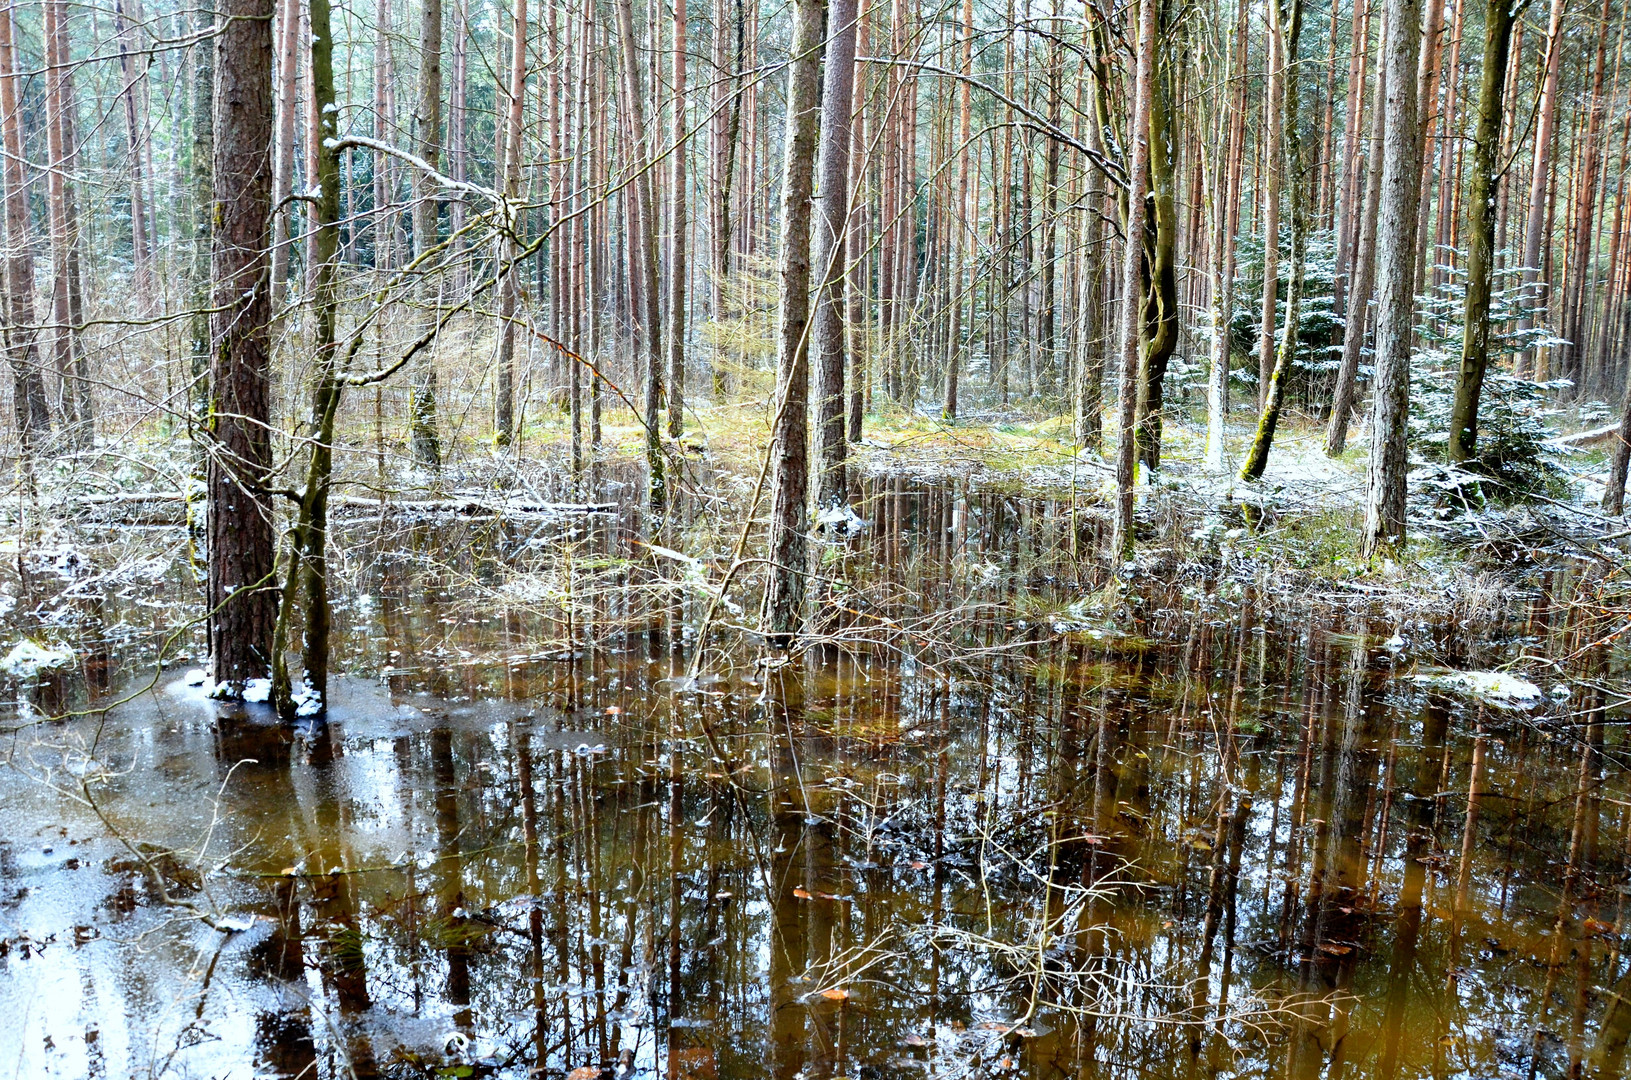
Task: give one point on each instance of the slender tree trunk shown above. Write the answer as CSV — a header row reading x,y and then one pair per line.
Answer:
x,y
307,570
1227,210
788,548
1160,302
857,279
424,428
1498,19
644,253
32,406
1396,256
288,68
1353,174
964,217
458,142
506,251
679,219
141,253
1287,32
1540,184
1573,328
66,347
831,261
1346,392
1427,77
1132,292
384,192
203,191
241,600
1273,141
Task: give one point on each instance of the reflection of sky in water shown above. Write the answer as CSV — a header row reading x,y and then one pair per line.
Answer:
x,y
880,815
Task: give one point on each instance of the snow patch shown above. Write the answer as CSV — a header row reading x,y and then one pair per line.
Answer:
x,y
28,658
1491,687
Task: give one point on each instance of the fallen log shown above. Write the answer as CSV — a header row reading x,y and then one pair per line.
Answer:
x,y
169,507
1585,438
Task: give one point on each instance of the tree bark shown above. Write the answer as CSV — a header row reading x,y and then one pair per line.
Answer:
x,y
643,252
1498,19
1227,211
242,602
1396,256
384,224
831,261
679,219
288,82
32,406
506,250
307,570
68,351
1273,141
1161,271
1573,329
1345,393
788,546
1287,32
424,429
1540,183
135,128
1131,282
1352,174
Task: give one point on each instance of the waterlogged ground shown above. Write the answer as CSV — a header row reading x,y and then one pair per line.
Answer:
x,y
1014,826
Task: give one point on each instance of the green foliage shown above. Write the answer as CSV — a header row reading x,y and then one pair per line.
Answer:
x,y
1319,328
1512,432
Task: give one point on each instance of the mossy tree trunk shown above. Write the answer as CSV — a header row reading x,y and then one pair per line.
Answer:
x,y
1285,31
1469,386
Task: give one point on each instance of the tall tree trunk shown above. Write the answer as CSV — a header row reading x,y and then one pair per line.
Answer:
x,y
136,131
964,216
1344,395
1227,211
788,547
643,252
1132,292
288,109
241,600
1160,301
68,352
856,281
1396,256
1286,31
33,410
203,190
506,251
307,569
1427,78
831,262
458,142
680,223
1498,19
1540,184
424,429
1273,176
1348,193
1573,328
384,224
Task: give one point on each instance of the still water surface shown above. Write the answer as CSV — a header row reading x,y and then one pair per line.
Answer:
x,y
1216,831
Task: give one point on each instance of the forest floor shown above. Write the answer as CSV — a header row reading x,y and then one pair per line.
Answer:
x,y
1300,523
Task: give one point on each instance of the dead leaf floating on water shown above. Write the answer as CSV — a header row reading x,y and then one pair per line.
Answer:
x,y
836,993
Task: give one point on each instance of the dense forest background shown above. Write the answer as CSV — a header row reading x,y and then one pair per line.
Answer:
x,y
388,240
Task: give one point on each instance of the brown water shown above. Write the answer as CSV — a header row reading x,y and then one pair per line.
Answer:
x,y
1211,830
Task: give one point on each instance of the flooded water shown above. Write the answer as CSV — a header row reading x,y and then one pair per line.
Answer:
x,y
1002,826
